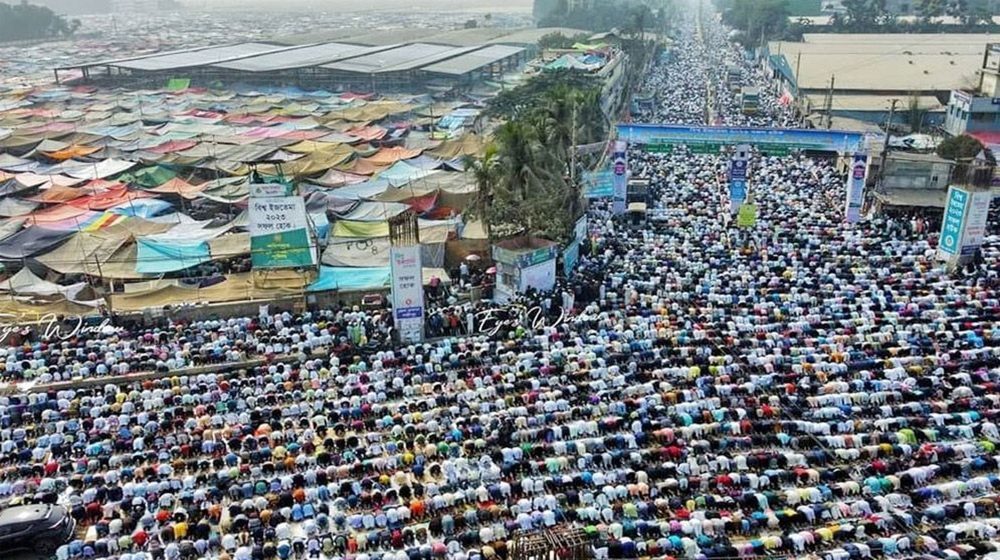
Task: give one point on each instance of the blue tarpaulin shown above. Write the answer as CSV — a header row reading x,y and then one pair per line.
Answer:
x,y
158,257
142,208
344,278
322,225
401,173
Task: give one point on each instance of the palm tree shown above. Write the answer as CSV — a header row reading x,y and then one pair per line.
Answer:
x,y
486,173
521,153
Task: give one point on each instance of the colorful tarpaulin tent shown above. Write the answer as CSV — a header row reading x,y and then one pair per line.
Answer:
x,y
178,84
84,253
388,156
142,208
10,207
334,179
402,173
149,177
348,279
160,256
30,242
468,145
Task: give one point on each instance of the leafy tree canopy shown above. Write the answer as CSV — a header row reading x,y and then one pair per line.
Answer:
x,y
527,97
526,180
960,148
628,16
24,22
557,40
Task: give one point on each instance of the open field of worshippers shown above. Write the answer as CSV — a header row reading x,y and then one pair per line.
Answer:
x,y
796,389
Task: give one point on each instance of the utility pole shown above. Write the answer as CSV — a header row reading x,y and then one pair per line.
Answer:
x,y
885,146
572,153
828,105
798,64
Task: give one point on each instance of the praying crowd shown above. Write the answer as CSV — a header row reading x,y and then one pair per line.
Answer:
x,y
799,388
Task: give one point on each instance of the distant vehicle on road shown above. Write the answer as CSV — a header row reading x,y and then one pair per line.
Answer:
x,y
40,527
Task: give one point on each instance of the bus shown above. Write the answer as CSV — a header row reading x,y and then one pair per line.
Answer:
x,y
749,100
637,201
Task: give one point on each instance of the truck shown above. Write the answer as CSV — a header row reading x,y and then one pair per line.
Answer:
x,y
734,78
749,100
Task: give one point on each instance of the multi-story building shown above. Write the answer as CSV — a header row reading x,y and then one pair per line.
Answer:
x,y
977,110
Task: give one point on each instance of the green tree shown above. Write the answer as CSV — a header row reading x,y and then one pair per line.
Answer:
x,y
23,22
487,175
517,103
929,9
959,148
915,114
757,19
556,40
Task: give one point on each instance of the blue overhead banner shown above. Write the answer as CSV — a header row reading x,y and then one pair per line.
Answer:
x,y
792,138
599,184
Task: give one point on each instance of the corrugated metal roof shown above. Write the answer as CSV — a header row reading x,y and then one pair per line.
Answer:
x,y
406,57
200,57
906,65
298,57
473,61
377,37
532,35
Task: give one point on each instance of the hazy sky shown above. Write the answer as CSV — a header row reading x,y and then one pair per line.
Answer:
x,y
357,5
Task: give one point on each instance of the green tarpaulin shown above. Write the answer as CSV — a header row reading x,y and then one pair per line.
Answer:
x,y
150,177
178,84
747,216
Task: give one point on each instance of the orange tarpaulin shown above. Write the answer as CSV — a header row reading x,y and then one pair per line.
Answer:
x,y
368,133
58,193
58,213
389,156
179,186
108,199
362,167
71,152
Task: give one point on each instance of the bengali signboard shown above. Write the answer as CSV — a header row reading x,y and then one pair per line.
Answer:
x,y
620,171
407,292
975,222
773,138
279,229
856,189
954,220
599,184
738,176
571,256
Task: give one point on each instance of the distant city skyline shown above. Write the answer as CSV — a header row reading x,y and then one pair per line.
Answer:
x,y
71,7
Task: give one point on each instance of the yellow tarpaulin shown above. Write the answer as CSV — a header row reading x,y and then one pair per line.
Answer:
x,y
365,230
237,287
469,145
313,163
